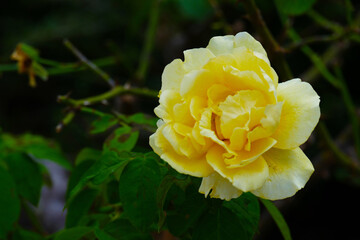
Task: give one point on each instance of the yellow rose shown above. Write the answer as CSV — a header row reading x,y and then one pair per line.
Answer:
x,y
224,117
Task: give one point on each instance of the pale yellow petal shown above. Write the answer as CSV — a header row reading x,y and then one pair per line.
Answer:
x,y
197,106
168,98
244,157
195,166
289,170
246,178
220,187
267,125
172,76
221,44
196,58
300,113
196,83
251,61
244,39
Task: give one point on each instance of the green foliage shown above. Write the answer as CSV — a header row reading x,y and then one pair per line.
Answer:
x,y
27,176
278,218
294,7
137,190
195,9
9,203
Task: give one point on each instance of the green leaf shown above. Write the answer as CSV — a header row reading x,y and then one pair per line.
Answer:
x,y
101,235
29,50
76,175
140,118
220,223
29,181
35,145
247,210
87,154
137,189
189,207
294,7
278,218
100,170
73,233
40,71
103,123
195,9
163,189
22,234
122,229
44,152
122,139
9,203
79,206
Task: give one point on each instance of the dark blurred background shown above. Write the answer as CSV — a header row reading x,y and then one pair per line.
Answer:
x,y
326,209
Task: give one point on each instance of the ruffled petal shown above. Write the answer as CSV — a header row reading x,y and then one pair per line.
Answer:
x,y
196,58
196,83
221,44
195,166
246,178
244,39
172,76
220,187
289,170
299,115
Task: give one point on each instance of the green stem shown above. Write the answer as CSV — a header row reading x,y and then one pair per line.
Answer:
x,y
351,109
278,218
340,155
89,64
8,67
327,58
313,39
148,43
325,23
66,120
316,60
118,90
275,51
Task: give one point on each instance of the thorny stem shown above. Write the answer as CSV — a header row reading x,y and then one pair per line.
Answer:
x,y
351,108
149,42
274,49
89,64
118,90
343,158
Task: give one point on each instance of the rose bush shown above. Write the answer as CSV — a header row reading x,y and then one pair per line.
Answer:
x,y
224,117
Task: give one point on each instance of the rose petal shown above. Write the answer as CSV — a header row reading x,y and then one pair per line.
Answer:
x,y
220,187
244,39
172,76
221,44
195,166
289,170
196,58
300,113
196,83
246,178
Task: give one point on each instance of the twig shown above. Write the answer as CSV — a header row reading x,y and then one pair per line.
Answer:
x,y
118,90
325,23
351,109
274,49
327,58
66,120
342,157
89,64
148,43
313,39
